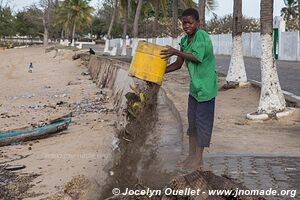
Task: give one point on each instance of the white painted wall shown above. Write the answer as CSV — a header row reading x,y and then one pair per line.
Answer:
x,y
289,44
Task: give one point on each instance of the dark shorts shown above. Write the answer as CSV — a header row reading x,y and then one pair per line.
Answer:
x,y
201,120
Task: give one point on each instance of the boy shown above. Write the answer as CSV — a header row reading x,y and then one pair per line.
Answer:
x,y
197,51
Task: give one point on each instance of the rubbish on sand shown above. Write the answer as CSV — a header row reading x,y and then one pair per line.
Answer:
x,y
33,133
14,167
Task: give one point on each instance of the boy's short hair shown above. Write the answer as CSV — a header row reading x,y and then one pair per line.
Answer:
x,y
191,12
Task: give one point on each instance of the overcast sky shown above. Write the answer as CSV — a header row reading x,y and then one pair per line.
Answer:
x,y
250,7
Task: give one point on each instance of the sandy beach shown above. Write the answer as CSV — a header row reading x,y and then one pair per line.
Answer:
x,y
55,87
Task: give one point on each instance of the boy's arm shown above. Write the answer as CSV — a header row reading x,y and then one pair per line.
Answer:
x,y
170,51
175,65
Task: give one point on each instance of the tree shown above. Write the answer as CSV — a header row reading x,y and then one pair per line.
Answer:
x,y
75,14
156,18
299,16
46,6
290,11
127,9
205,4
271,97
223,25
202,4
29,22
236,72
175,18
6,20
136,18
112,18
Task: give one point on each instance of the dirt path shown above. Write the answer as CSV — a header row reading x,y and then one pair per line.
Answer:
x,y
55,88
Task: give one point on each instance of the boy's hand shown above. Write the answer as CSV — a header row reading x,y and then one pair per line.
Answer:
x,y
167,53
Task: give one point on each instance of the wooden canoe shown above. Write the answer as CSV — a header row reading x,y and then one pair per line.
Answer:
x,y
31,133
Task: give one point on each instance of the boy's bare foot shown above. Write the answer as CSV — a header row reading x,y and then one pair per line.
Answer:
x,y
195,164
185,162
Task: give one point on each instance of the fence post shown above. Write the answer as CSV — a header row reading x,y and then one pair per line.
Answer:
x,y
298,42
218,43
251,44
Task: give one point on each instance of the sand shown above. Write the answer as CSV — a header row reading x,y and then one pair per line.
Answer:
x,y
233,133
84,149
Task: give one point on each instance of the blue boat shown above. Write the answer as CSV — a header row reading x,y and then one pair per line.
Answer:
x,y
31,133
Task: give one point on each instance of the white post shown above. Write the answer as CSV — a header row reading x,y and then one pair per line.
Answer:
x,y
298,42
175,45
124,53
251,44
106,48
134,46
154,40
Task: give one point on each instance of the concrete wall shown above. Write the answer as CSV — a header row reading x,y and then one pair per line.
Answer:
x,y
289,44
111,74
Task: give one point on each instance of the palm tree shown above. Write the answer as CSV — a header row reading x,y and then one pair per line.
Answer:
x,y
125,4
75,14
205,4
299,16
156,17
112,19
202,4
46,6
271,97
290,10
175,18
136,18
62,20
236,72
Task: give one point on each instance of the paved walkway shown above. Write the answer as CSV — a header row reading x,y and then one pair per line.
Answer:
x,y
260,172
289,72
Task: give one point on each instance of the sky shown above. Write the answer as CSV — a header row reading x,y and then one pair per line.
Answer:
x,y
250,7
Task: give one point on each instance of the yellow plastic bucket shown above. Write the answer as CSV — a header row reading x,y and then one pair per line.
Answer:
x,y
147,63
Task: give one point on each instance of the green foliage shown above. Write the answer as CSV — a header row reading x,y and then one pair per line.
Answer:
x,y
72,13
28,22
290,11
6,21
290,14
223,25
292,25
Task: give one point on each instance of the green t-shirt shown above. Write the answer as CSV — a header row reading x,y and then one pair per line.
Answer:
x,y
204,79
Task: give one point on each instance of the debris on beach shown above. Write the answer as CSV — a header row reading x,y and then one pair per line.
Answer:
x,y
77,188
73,83
14,167
26,96
15,186
94,105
